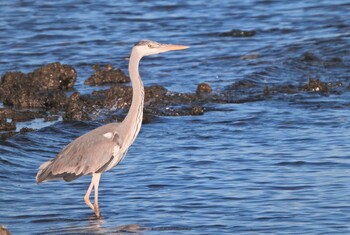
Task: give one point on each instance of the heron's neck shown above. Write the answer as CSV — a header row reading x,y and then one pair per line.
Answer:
x,y
133,119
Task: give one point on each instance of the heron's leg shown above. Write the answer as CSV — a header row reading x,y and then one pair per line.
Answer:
x,y
96,180
87,195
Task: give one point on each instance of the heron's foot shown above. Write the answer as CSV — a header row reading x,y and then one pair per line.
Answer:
x,y
97,212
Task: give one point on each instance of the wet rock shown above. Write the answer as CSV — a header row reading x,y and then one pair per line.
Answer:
x,y
335,60
25,130
51,118
285,89
48,77
266,90
250,56
27,98
6,121
147,117
197,110
20,115
26,115
120,97
7,134
309,57
106,75
179,110
116,97
42,88
203,88
77,108
238,33
316,85
174,98
53,76
6,112
6,125
158,101
155,92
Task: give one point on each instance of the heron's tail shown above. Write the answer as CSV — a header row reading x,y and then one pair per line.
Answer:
x,y
44,172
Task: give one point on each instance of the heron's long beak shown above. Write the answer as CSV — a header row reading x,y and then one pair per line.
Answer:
x,y
172,47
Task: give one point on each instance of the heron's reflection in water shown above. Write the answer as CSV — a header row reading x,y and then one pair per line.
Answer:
x,y
95,226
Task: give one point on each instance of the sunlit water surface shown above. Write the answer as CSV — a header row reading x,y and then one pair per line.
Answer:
x,y
276,166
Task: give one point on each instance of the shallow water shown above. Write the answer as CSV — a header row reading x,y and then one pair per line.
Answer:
x,y
279,165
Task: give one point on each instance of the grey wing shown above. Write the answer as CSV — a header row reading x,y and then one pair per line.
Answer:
x,y
90,153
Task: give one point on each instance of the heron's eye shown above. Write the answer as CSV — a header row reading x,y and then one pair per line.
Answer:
x,y
150,46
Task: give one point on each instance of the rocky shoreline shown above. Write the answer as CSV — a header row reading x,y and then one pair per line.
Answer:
x,y
48,93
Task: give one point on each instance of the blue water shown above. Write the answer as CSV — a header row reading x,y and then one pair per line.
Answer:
x,y
278,165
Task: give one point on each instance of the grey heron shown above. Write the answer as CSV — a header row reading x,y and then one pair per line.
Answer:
x,y
105,147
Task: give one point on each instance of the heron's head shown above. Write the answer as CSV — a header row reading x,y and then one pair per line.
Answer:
x,y
147,47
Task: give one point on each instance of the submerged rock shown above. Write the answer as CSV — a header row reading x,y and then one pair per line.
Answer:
x,y
316,85
238,33
319,86
309,57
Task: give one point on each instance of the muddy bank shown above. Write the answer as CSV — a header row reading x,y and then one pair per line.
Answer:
x,y
48,93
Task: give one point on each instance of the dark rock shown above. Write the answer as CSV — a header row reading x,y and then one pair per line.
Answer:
x,y
266,90
335,60
6,135
39,89
25,130
147,117
26,115
53,76
77,108
316,85
203,88
106,75
309,57
238,33
20,115
27,98
6,125
252,56
6,112
242,84
197,110
155,92
180,110
117,97
51,118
